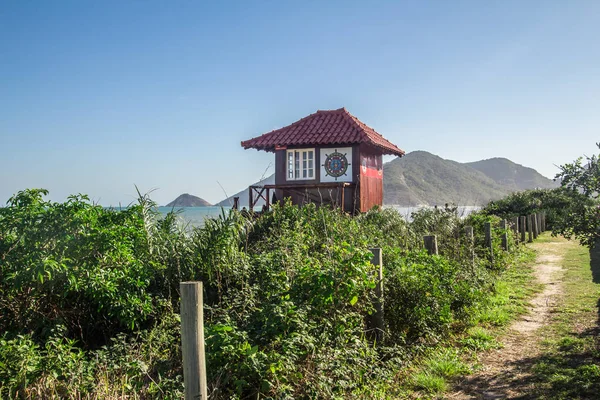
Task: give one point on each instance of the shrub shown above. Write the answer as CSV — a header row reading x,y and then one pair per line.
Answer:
x,y
87,297
426,294
20,363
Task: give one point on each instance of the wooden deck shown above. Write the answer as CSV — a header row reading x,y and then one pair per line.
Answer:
x,y
258,192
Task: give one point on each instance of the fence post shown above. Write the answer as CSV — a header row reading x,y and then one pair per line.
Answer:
x,y
488,240
192,341
504,235
377,260
530,228
535,226
515,228
522,227
544,220
470,240
430,243
542,225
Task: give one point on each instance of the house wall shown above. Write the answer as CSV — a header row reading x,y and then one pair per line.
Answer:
x,y
280,168
366,168
281,161
370,178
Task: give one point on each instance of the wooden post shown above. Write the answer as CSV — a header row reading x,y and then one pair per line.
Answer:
x,y
544,221
542,227
523,227
268,198
529,228
192,341
504,235
430,243
534,222
250,199
515,227
470,239
378,317
488,240
236,203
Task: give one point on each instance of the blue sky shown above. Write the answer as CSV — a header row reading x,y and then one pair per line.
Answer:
x,y
98,96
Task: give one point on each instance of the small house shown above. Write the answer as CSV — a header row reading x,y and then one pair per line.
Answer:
x,y
329,157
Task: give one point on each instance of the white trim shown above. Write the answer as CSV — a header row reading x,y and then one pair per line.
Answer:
x,y
301,163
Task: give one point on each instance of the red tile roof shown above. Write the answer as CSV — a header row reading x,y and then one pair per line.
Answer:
x,y
325,127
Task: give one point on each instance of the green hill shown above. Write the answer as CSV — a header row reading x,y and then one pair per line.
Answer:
x,y
511,175
424,178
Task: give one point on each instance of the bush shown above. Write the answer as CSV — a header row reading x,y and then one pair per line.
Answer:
x,y
555,203
426,294
73,264
87,297
20,362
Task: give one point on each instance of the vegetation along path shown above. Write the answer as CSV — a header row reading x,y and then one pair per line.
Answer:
x,y
553,350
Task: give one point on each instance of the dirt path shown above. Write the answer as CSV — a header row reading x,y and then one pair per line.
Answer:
x,y
503,375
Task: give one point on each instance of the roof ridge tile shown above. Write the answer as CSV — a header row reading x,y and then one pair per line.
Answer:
x,y
323,127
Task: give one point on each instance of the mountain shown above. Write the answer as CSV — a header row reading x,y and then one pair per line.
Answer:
x,y
511,175
243,195
187,200
424,178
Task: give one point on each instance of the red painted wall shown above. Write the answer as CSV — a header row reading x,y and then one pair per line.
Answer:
x,y
371,178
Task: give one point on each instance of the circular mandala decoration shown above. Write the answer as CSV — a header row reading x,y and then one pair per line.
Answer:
x,y
336,164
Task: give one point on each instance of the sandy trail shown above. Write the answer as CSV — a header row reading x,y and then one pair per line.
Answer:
x,y
504,371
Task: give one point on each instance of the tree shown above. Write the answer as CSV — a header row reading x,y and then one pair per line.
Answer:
x,y
582,218
584,178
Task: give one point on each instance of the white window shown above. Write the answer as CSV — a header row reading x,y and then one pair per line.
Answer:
x,y
300,164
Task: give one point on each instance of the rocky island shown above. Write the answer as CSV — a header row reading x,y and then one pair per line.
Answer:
x,y
188,200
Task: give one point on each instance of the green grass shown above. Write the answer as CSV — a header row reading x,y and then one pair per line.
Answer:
x,y
429,383
480,339
435,372
437,369
510,294
569,365
447,363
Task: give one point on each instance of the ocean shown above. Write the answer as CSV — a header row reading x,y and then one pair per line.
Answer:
x,y
195,216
